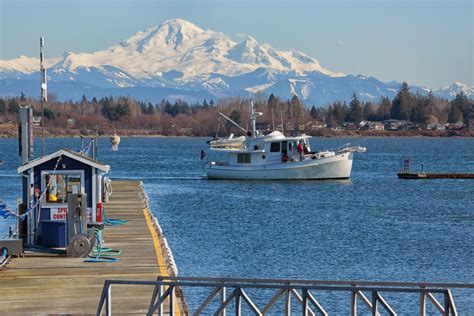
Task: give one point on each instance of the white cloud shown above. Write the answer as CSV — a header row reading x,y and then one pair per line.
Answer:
x,y
340,43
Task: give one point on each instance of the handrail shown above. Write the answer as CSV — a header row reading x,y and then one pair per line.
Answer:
x,y
307,281
298,289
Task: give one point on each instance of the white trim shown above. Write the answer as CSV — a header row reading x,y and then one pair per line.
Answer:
x,y
44,204
67,153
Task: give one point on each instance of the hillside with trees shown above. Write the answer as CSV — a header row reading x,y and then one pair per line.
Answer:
x,y
169,118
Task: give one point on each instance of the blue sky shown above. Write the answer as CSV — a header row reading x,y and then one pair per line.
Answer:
x,y
427,43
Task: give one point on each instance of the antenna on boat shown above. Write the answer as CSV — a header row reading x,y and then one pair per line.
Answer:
x,y
273,119
281,118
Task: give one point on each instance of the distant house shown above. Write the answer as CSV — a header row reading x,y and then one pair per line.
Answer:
x,y
439,127
377,126
318,125
349,126
364,125
455,126
289,126
396,125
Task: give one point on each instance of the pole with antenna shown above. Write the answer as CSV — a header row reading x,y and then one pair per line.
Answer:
x,y
44,94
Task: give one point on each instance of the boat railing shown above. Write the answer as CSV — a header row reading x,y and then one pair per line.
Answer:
x,y
224,293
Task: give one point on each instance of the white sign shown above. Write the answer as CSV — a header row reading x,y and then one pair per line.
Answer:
x,y
58,214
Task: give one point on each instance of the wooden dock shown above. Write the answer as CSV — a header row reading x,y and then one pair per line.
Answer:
x,y
424,175
53,284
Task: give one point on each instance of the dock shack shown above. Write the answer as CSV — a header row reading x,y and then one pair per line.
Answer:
x,y
48,283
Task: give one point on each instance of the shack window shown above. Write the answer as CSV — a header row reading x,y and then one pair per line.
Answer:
x,y
59,185
275,147
243,158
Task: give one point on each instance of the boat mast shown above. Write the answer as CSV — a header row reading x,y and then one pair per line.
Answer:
x,y
253,118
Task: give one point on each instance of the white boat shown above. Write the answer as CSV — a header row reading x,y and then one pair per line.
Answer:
x,y
275,156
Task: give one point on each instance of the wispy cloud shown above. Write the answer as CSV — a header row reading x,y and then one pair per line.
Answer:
x,y
340,44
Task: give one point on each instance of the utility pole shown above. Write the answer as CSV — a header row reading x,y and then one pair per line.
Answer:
x,y
44,94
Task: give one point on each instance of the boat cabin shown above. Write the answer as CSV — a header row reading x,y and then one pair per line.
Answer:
x,y
269,149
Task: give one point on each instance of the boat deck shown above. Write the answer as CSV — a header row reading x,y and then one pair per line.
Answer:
x,y
53,284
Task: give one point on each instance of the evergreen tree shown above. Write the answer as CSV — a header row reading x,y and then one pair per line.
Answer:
x,y
22,96
272,101
314,113
211,103
465,106
114,111
3,106
151,109
13,106
454,114
383,111
401,106
356,113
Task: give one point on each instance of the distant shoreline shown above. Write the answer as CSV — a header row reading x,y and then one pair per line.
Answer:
x,y
12,132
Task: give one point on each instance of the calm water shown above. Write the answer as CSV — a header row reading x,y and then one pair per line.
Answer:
x,y
372,227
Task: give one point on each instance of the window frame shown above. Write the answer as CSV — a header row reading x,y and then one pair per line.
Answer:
x,y
44,173
279,147
244,160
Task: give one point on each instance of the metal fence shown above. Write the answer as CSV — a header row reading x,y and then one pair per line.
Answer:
x,y
227,292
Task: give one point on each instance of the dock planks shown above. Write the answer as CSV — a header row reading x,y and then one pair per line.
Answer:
x,y
423,175
51,284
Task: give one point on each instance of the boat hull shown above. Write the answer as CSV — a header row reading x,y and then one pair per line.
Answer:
x,y
335,167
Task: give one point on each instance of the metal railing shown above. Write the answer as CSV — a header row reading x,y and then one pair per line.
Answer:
x,y
303,291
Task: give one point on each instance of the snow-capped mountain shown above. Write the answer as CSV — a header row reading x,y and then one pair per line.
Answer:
x,y
178,59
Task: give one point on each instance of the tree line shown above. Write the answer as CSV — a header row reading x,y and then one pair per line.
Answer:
x,y
178,117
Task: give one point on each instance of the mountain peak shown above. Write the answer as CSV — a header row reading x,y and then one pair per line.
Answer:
x,y
181,24
171,33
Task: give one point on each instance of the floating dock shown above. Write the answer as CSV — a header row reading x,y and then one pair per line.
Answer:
x,y
41,283
424,175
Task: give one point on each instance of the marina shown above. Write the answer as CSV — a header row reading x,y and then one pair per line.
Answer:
x,y
55,284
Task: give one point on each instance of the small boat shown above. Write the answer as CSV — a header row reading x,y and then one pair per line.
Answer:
x,y
277,157
231,142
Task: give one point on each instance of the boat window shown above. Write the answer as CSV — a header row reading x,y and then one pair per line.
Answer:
x,y
243,158
275,147
290,146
